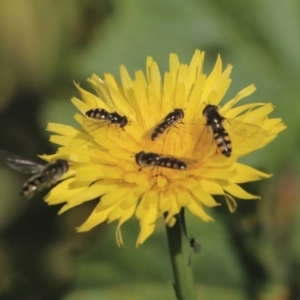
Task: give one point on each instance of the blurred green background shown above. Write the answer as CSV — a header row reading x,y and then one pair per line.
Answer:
x,y
45,45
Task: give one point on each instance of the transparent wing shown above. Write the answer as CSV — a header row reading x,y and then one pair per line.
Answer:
x,y
244,130
147,134
93,123
206,145
188,161
20,164
105,93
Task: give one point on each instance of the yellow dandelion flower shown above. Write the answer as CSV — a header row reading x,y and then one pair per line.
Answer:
x,y
191,157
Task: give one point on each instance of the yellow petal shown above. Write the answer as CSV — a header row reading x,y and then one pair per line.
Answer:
x,y
97,217
240,95
246,174
231,203
127,215
147,225
238,192
90,99
196,209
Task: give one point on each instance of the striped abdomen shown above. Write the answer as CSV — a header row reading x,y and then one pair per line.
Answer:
x,y
223,141
215,121
160,129
98,114
172,163
48,176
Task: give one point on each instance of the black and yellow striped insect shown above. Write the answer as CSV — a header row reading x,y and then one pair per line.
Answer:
x,y
169,120
146,159
111,118
44,175
221,136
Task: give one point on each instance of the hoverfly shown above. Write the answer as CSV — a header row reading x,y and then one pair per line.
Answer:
x,y
215,121
169,120
44,175
112,118
145,159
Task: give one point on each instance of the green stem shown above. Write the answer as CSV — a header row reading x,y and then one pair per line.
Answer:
x,y
181,260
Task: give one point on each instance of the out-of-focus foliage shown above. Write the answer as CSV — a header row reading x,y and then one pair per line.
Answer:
x,y
46,45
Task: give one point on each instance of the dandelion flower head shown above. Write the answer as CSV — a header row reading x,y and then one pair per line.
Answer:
x,y
102,153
